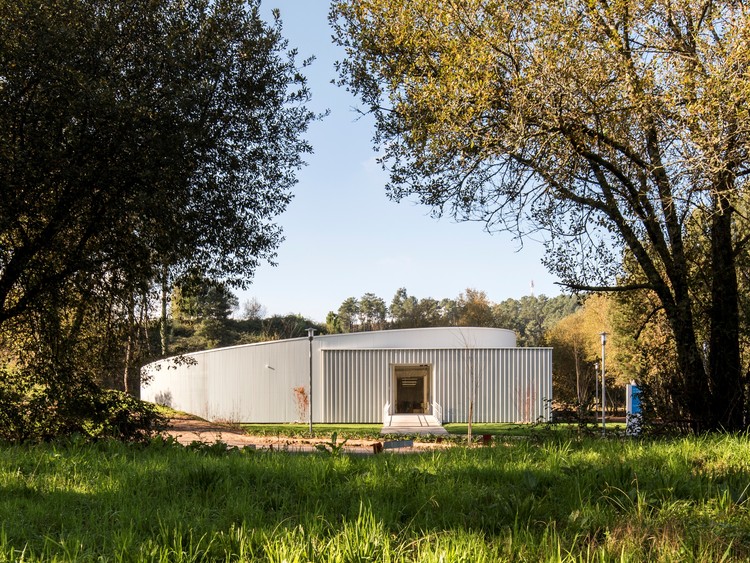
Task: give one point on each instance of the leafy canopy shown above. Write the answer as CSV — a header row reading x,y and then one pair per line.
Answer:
x,y
139,140
606,125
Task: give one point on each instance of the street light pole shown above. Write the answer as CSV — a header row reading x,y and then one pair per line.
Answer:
x,y
604,387
310,334
596,387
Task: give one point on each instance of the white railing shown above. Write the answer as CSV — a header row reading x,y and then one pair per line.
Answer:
x,y
386,414
437,412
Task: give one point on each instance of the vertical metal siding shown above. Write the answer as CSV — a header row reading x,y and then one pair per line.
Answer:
x,y
246,383
255,383
512,385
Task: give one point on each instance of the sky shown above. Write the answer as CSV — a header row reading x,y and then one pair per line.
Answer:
x,y
345,238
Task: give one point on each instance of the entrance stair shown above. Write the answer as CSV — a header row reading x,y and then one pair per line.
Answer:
x,y
413,424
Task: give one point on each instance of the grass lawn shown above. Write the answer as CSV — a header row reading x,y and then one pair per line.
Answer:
x,y
543,499
456,429
319,430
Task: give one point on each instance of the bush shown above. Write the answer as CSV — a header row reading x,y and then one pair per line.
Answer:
x,y
32,412
21,406
120,416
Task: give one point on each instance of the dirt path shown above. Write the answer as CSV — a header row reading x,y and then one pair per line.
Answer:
x,y
187,429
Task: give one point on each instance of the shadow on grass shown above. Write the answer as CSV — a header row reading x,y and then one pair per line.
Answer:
x,y
109,497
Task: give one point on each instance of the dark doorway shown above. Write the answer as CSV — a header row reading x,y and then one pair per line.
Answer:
x,y
412,389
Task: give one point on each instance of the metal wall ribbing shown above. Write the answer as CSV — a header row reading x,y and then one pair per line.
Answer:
x,y
253,383
352,376
510,384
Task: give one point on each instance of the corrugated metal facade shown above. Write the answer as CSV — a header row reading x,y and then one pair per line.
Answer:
x,y
510,384
253,383
353,376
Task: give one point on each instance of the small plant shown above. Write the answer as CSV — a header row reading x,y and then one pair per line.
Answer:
x,y
333,447
218,448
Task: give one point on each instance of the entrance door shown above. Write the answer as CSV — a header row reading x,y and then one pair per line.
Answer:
x,y
412,386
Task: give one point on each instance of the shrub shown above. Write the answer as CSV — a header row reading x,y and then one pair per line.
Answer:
x,y
31,411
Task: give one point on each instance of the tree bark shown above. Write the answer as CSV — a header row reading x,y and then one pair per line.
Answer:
x,y
725,369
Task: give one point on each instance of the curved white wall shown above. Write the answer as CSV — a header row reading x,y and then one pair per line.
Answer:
x,y
255,382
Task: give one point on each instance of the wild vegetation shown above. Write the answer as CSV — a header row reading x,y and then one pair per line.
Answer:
x,y
617,130
554,499
147,146
141,142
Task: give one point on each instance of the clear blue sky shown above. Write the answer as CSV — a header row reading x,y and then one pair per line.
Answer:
x,y
344,237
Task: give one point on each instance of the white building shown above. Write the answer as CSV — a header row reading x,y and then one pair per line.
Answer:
x,y
364,377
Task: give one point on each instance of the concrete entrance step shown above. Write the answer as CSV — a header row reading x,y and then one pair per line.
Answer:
x,y
413,424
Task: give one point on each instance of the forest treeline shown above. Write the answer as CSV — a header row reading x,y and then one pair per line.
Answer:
x,y
209,316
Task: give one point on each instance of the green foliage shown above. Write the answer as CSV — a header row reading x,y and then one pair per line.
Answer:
x,y
141,134
347,314
22,406
206,332
196,299
333,323
608,126
33,411
533,316
140,141
320,430
553,500
117,415
372,312
530,317
333,446
576,362
475,309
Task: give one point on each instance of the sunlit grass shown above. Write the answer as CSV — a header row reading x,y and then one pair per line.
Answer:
x,y
456,429
319,430
551,499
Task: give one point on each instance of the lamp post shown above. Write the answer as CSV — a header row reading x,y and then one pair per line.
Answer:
x,y
596,387
604,388
310,334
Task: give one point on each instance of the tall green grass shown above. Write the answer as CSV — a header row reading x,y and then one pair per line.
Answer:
x,y
529,500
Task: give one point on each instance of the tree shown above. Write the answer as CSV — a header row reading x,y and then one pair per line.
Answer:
x,y
287,326
475,309
646,353
253,310
140,141
137,132
197,299
402,309
576,340
372,312
405,310
606,125
449,311
532,317
348,312
333,323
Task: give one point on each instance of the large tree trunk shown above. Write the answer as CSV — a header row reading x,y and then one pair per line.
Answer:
x,y
691,392
727,399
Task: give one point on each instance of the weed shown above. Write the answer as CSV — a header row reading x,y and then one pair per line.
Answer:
x,y
333,446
